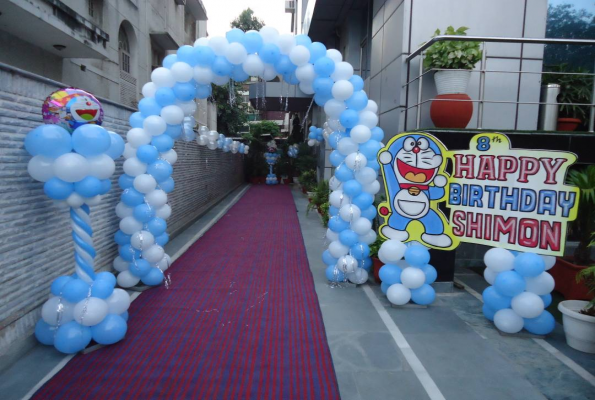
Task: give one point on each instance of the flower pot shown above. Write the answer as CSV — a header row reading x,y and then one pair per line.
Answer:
x,y
376,265
579,328
564,273
568,124
451,82
451,114
296,180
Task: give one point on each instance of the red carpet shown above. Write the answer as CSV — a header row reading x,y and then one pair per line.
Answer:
x,y
240,320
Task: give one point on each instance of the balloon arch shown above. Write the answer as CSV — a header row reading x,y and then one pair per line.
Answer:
x,y
169,98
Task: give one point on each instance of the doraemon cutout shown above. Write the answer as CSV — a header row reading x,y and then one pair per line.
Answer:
x,y
413,168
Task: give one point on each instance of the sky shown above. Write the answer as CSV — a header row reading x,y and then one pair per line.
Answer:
x,y
220,13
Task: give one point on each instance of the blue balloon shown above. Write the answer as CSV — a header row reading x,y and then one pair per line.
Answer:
x,y
57,189
167,185
235,35
121,238
116,148
136,120
126,181
344,173
430,272
165,96
328,259
373,164
348,237
185,91
109,331
377,134
162,143
541,325
547,299
358,101
303,40
128,253
357,82
44,332
160,169
72,337
370,149
363,200
423,295
360,251
349,118
153,278
509,283
144,213
369,213
188,55
59,283
106,276
333,140
252,42
162,239
367,264
337,224
148,106
321,100
221,66
90,140
269,53
157,226
488,312
139,267
174,131
390,274
204,55
384,287
124,315
324,66
48,140
147,153
417,256
75,290
238,74
323,87
132,197
317,50
203,91
495,300
334,274
335,157
102,288
88,187
529,265
333,211
352,188
284,65
291,78
168,61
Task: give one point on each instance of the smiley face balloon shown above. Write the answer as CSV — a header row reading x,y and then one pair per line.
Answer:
x,y
71,108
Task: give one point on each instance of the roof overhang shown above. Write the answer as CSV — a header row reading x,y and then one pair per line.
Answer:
x,y
164,40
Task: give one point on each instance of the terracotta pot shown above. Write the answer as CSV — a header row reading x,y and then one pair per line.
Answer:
x,y
451,114
564,273
376,265
568,124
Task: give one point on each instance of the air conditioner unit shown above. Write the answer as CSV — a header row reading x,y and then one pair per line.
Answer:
x,y
290,6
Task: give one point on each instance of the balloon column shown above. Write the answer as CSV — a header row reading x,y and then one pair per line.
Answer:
x,y
76,169
520,292
271,157
315,136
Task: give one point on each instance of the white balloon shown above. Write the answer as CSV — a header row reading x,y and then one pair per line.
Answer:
x,y
413,278
236,53
350,212
75,200
269,34
50,313
299,55
366,175
129,225
490,275
93,201
356,161
125,279
347,264
306,87
359,276
338,199
219,45
203,75
138,137
398,294
391,251
101,166
118,302
90,311
269,72
134,167
142,240
162,77
549,261
334,183
170,156
347,146
369,237
201,140
163,212
182,72
220,80
499,260
334,55
541,285
333,108
337,249
334,124
286,43
331,236
203,41
361,226
342,90
172,115
153,254
41,168
144,183
253,65
343,71
360,134
129,151
149,89
71,167
368,118
508,321
164,264
120,264
305,73
371,188
372,106
154,125
528,305
122,210
156,198
188,107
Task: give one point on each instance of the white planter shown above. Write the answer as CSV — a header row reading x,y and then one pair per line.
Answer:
x,y
450,82
579,328
296,181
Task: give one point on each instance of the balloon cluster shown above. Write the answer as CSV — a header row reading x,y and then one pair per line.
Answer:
x,y
293,151
76,169
315,136
215,140
520,292
406,275
271,157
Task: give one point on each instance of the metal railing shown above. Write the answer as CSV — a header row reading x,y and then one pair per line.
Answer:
x,y
483,71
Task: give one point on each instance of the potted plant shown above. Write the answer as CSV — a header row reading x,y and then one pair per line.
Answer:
x,y
308,182
453,61
573,89
566,269
579,316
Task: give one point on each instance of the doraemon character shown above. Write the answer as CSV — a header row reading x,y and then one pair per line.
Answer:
x,y
411,165
82,110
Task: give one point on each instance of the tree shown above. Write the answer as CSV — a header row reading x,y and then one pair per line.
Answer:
x,y
230,117
246,21
260,133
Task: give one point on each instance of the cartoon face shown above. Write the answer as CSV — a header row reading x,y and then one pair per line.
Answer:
x,y
83,109
417,160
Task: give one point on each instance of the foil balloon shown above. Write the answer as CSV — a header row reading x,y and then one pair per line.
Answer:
x,y
70,108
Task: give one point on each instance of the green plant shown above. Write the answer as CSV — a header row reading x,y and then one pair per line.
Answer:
x,y
450,54
231,117
305,160
246,21
573,89
374,247
584,225
587,276
308,180
321,195
324,207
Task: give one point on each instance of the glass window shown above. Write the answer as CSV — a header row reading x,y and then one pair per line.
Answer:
x,y
124,50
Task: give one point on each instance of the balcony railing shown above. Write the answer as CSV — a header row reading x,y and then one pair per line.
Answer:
x,y
483,74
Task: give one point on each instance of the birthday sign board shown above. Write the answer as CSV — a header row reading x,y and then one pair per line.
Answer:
x,y
498,196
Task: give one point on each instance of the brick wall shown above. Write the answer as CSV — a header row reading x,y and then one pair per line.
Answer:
x,y
35,241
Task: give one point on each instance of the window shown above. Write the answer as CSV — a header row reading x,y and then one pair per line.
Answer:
x,y
124,50
91,6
